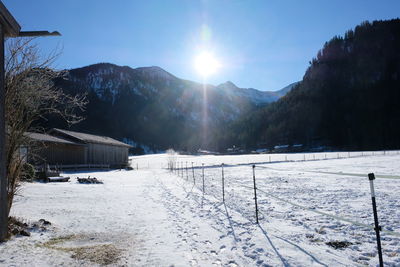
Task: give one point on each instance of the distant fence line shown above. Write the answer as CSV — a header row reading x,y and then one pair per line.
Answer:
x,y
300,157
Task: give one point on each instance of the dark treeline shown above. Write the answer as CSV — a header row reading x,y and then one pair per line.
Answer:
x,y
349,97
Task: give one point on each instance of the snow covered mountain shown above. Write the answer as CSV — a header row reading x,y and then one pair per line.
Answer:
x,y
142,103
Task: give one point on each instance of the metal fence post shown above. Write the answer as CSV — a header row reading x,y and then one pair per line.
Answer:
x,y
203,177
255,192
194,179
371,178
187,175
223,183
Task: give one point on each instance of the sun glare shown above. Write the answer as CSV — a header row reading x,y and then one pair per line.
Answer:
x,y
206,64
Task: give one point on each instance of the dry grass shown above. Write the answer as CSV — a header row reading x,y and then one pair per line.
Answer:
x,y
103,254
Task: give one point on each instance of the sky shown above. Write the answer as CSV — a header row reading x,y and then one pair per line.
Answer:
x,y
265,44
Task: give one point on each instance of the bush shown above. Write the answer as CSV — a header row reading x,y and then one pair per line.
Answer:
x,y
28,172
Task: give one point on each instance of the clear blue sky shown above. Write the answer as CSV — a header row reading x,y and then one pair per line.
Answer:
x,y
264,44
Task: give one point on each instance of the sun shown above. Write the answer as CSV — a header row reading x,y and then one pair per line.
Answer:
x,y
206,64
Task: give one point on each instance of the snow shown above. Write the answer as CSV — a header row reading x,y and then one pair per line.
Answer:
x,y
162,218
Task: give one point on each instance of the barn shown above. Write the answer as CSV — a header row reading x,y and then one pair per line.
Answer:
x,y
63,147
49,149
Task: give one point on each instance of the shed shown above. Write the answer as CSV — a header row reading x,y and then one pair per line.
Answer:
x,y
98,149
52,150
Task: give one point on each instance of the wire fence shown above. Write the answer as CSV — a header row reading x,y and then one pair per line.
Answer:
x,y
224,183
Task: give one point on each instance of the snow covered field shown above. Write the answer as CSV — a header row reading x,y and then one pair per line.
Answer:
x,y
153,217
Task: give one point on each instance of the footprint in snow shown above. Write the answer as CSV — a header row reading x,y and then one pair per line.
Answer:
x,y
213,252
232,264
259,250
217,263
193,262
222,248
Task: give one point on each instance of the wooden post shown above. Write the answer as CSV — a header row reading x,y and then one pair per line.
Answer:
x,y
255,192
223,183
371,178
3,177
203,177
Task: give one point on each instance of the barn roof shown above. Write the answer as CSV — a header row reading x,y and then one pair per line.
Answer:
x,y
48,138
89,138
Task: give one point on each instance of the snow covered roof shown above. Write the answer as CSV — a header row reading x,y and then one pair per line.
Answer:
x,y
89,138
48,138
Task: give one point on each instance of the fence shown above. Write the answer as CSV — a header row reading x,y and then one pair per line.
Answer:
x,y
218,182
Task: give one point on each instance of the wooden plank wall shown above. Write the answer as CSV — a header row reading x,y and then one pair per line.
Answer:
x,y
107,154
54,153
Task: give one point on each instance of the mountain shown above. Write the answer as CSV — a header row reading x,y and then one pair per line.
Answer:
x,y
348,98
285,90
151,106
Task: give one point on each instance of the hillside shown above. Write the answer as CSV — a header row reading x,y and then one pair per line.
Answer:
x,y
153,107
348,98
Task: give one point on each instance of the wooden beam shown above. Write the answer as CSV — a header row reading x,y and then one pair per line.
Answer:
x,y
38,33
11,28
3,177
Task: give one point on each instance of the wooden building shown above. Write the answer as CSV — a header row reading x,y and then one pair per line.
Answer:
x,y
62,147
49,149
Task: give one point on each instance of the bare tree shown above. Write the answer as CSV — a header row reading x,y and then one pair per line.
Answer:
x,y
30,94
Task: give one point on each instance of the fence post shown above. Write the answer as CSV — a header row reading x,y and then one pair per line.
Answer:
x,y
203,177
194,179
269,159
255,191
223,183
371,178
187,175
137,166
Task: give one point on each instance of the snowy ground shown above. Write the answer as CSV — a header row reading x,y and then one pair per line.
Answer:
x,y
153,217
